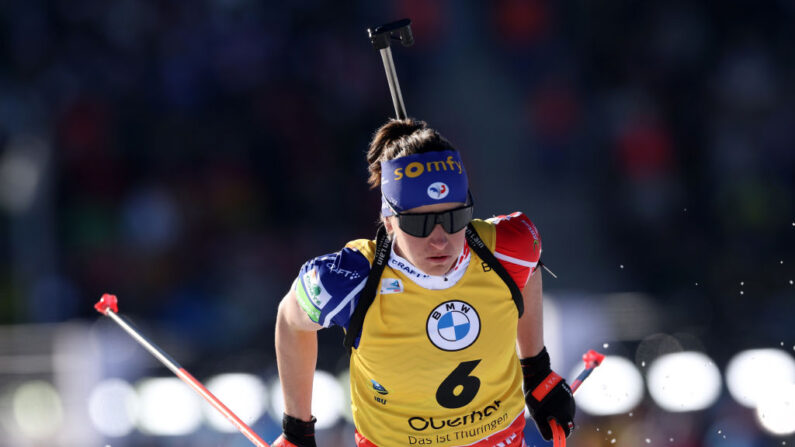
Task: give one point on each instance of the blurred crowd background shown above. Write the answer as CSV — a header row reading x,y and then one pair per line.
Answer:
x,y
189,156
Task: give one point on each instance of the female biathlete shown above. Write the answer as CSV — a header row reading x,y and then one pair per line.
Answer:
x,y
451,307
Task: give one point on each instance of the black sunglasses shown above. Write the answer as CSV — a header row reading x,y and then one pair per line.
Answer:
x,y
422,224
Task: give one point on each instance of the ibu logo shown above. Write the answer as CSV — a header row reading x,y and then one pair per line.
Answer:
x,y
453,325
438,191
378,387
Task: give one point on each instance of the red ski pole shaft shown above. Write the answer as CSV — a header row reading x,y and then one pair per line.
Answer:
x,y
108,306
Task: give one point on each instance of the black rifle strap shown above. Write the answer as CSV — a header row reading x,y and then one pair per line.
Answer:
x,y
383,247
479,247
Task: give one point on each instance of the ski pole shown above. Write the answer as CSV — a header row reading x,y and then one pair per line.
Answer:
x,y
108,306
592,359
381,38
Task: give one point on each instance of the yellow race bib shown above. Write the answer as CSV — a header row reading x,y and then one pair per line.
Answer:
x,y
437,367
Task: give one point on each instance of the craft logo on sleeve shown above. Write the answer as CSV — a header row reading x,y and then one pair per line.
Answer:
x,y
453,325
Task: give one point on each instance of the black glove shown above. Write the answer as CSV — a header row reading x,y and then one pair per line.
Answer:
x,y
547,395
296,432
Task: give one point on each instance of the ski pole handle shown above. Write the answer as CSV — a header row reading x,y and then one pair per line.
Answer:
x,y
592,359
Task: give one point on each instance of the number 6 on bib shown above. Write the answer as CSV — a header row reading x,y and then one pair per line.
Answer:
x,y
460,377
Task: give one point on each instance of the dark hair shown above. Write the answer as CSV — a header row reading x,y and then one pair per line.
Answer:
x,y
398,138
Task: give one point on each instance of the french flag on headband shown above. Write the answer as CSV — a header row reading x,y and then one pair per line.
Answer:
x,y
422,179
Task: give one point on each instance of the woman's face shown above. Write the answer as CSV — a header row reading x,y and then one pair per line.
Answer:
x,y
435,254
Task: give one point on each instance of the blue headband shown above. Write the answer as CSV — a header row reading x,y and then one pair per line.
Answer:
x,y
422,179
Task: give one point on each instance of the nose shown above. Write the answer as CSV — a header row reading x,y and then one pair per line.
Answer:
x,y
438,238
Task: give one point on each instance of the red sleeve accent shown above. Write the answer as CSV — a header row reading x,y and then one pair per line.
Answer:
x,y
518,245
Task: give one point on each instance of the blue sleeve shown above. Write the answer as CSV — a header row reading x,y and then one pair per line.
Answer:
x,y
328,287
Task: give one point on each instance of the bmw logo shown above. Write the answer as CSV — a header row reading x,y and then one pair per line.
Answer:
x,y
453,325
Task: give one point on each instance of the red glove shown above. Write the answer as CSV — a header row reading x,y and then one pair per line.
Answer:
x,y
547,395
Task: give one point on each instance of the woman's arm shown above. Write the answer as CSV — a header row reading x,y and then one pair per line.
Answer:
x,y
547,395
296,356
530,334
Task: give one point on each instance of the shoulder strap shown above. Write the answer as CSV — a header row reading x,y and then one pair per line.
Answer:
x,y
479,247
382,248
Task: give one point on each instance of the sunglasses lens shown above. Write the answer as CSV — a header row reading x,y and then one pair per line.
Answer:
x,y
459,219
417,225
428,223
421,225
